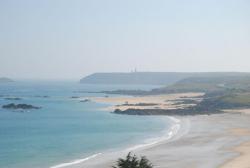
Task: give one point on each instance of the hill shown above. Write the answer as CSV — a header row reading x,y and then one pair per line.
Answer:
x,y
151,78
222,91
155,78
209,83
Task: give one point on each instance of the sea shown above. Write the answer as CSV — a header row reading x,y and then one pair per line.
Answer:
x,y
65,130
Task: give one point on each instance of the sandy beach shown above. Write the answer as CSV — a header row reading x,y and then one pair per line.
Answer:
x,y
217,141
164,101
202,141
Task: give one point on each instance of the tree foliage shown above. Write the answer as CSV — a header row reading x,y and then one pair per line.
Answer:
x,y
133,162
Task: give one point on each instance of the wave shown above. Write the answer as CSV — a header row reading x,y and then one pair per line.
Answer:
x,y
172,131
168,134
75,161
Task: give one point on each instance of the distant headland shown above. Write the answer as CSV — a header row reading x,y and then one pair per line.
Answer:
x,y
151,78
221,91
5,80
148,78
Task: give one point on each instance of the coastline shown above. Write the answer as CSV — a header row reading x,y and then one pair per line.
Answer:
x,y
166,135
210,149
163,101
241,161
216,141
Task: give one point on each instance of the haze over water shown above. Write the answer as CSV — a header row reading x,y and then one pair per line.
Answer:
x,y
71,39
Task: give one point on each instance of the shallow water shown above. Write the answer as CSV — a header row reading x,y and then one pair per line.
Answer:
x,y
65,129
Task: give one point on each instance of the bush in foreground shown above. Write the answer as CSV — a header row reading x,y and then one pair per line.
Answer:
x,y
133,162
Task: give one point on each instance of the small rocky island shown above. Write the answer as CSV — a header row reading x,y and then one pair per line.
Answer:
x,y
74,97
13,106
5,80
85,100
12,98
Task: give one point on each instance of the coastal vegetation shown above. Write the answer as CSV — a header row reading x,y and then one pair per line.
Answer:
x,y
216,82
221,92
133,162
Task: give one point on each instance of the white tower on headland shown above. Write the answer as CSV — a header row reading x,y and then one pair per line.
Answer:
x,y
134,70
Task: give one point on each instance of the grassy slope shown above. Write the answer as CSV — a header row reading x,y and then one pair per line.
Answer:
x,y
238,98
209,84
222,92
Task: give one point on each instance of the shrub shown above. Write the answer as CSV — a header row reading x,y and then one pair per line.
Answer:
x,y
133,162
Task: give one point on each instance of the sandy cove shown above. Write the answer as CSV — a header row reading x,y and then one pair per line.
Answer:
x,y
214,141
164,101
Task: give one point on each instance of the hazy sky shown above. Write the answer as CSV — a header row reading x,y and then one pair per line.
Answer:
x,y
73,38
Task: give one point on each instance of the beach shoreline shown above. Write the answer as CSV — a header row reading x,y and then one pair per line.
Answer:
x,y
162,101
215,140
210,149
168,134
242,160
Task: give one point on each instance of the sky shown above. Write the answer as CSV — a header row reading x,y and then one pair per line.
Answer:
x,y
69,39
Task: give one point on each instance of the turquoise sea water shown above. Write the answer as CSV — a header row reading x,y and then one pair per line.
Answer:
x,y
65,129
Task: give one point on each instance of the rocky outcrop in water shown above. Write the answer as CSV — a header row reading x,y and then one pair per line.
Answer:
x,y
74,97
12,98
13,106
85,100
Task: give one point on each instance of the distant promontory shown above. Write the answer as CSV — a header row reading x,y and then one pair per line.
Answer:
x,y
148,78
151,78
5,80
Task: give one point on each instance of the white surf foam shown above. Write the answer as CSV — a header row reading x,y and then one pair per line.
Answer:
x,y
75,161
168,134
172,131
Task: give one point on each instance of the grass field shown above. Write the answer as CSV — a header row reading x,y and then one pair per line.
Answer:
x,y
239,98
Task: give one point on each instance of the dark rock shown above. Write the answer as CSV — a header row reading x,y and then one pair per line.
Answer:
x,y
12,98
85,100
42,96
13,106
170,112
74,97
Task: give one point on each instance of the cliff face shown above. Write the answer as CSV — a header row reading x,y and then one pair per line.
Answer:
x,y
151,78
4,80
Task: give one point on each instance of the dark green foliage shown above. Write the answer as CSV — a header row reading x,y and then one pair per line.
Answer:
x,y
133,162
144,163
